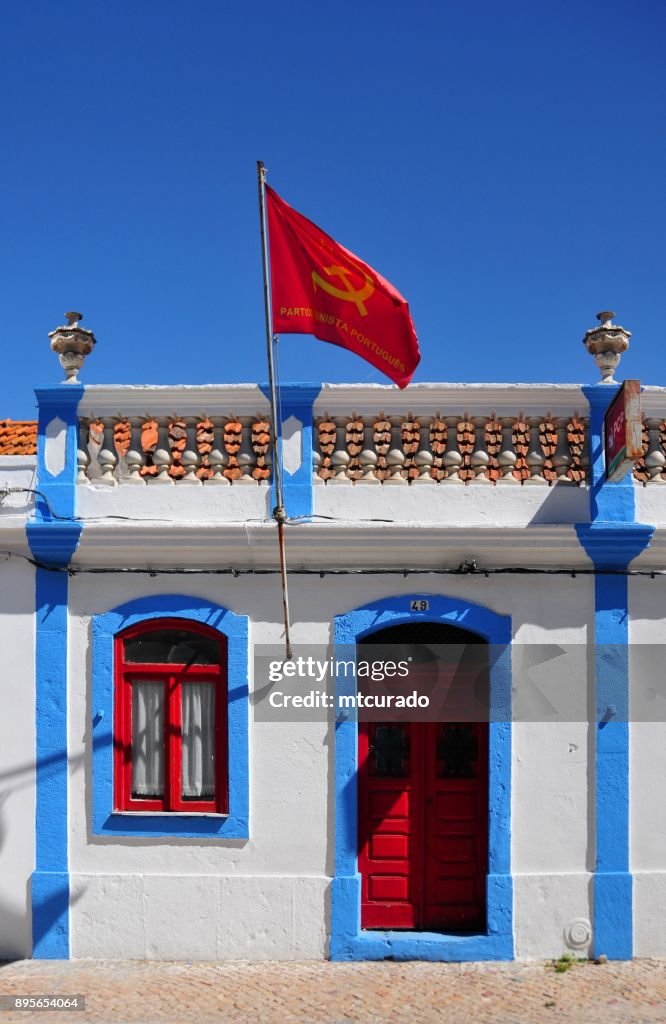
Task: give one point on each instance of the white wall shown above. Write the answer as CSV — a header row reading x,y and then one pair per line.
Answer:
x,y
260,898
17,756
553,796
17,471
267,897
647,744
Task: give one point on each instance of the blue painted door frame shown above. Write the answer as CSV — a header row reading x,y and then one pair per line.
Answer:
x,y
348,941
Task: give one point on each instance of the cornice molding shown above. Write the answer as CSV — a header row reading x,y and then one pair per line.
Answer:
x,y
13,536
613,545
53,543
337,545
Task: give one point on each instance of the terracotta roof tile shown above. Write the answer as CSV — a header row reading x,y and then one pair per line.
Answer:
x,y
18,437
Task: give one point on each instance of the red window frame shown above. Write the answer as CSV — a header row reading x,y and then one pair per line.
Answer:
x,y
174,677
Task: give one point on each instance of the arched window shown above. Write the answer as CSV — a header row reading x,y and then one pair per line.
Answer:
x,y
170,737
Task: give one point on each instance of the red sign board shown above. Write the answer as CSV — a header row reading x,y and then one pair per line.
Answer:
x,y
623,431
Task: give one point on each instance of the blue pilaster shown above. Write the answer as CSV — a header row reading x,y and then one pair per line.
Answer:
x,y
53,535
297,401
611,539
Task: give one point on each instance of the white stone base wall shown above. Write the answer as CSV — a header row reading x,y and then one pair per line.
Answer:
x,y
549,912
199,917
650,913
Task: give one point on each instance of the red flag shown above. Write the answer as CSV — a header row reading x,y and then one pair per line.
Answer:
x,y
321,288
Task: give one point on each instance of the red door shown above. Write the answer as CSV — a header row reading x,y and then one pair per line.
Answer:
x,y
423,825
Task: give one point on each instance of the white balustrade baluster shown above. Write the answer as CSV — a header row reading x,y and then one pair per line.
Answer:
x,y
480,457
339,462
95,445
507,457
190,463
217,460
134,464
396,462
246,455
655,459
135,458
368,460
424,461
452,457
535,458
562,457
82,460
108,461
161,459
480,460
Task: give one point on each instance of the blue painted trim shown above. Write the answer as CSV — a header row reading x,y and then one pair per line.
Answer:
x,y
298,400
50,880
609,502
613,546
106,821
53,539
52,542
348,941
612,540
61,401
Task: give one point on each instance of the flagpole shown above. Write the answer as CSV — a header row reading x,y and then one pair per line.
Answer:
x,y
279,514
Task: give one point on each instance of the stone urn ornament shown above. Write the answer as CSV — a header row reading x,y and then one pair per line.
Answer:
x,y
72,343
606,344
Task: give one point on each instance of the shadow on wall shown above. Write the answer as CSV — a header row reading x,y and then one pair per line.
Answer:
x,y
564,504
16,925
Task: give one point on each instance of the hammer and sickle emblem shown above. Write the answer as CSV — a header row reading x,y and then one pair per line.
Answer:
x,y
349,294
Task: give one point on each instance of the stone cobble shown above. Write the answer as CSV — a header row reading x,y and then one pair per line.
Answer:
x,y
141,992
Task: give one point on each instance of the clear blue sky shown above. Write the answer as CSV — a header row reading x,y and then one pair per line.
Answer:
x,y
503,164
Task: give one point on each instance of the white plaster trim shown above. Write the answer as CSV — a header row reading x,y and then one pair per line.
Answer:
x,y
182,399
18,462
653,401
452,399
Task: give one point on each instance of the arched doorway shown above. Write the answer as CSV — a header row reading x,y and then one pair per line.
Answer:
x,y
423,788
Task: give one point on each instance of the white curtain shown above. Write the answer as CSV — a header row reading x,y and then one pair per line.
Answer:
x,y
198,724
147,738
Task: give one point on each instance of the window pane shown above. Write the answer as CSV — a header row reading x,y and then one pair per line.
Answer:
x,y
389,749
147,739
198,724
172,647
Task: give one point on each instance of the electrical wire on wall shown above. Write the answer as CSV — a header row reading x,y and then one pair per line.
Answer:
x,y
468,567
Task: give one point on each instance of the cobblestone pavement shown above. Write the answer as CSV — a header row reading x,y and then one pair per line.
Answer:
x,y
327,993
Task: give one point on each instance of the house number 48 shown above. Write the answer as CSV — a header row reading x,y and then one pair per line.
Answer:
x,y
419,606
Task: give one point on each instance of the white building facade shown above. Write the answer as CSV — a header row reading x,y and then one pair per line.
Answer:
x,y
144,520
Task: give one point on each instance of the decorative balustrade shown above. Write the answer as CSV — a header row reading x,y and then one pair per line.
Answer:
x,y
651,469
384,449
173,449
458,449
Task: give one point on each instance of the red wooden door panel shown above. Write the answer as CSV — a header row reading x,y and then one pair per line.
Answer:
x,y
456,834
423,824
390,825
